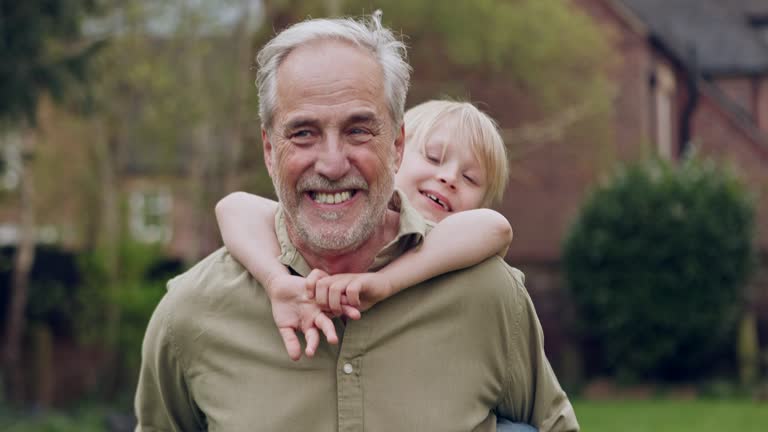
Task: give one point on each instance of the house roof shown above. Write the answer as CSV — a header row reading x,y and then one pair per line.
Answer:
x,y
754,8
719,34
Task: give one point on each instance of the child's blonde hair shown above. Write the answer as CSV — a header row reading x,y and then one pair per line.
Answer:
x,y
469,126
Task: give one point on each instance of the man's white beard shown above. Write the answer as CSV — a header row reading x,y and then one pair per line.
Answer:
x,y
335,237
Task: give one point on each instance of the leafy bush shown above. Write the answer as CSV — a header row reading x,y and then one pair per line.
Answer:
x,y
656,263
90,419
126,301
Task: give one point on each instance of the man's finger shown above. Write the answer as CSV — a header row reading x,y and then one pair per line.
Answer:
x,y
313,339
291,342
326,326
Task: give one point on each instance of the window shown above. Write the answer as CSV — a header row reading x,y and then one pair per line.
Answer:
x,y
759,22
664,93
150,216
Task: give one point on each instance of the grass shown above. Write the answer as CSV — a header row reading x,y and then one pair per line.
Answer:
x,y
660,415
82,420
657,415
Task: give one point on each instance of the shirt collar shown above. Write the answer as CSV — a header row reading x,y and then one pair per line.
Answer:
x,y
411,233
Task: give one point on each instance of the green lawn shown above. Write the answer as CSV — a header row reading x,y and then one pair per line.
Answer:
x,y
672,416
88,419
622,416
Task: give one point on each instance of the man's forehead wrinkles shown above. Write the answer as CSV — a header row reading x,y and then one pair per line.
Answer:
x,y
312,84
322,90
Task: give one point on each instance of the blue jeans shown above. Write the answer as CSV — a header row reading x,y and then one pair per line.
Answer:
x,y
504,425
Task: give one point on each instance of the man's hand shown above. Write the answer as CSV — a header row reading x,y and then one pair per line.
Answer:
x,y
293,310
360,290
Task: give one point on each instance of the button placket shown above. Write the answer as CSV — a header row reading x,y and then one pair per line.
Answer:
x,y
348,377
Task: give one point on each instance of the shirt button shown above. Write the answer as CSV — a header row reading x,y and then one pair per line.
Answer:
x,y
348,369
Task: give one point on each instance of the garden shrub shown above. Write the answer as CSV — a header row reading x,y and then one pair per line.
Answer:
x,y
656,263
133,294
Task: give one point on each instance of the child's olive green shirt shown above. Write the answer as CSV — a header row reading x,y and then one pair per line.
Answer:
x,y
445,355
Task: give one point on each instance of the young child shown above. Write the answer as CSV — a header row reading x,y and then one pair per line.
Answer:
x,y
454,164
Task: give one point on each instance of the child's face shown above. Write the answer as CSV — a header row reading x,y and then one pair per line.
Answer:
x,y
446,179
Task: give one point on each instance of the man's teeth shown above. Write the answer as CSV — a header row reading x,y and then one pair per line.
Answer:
x,y
331,198
437,200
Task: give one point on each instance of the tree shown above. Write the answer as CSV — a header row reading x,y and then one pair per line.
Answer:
x,y
41,53
546,56
657,263
169,107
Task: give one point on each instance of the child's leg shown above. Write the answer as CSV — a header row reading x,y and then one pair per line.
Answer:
x,y
504,425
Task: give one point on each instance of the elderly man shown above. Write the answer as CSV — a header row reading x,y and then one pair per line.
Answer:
x,y
447,355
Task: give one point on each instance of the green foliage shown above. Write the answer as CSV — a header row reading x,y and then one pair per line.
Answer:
x,y
133,294
83,420
549,47
181,94
137,304
36,52
656,263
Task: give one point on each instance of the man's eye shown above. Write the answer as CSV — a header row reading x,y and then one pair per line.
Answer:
x,y
301,134
359,131
359,134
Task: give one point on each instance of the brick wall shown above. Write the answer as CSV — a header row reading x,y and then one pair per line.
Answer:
x,y
762,104
741,91
547,188
718,135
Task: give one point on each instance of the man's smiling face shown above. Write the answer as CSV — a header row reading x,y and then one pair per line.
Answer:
x,y
333,149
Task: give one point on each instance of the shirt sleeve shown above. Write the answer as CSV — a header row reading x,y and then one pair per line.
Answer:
x,y
532,393
163,400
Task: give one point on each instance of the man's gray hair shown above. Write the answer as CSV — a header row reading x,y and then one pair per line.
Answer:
x,y
368,33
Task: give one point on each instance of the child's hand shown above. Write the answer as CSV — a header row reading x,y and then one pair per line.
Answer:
x,y
316,291
292,310
360,290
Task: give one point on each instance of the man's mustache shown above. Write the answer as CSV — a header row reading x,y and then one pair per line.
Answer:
x,y
318,182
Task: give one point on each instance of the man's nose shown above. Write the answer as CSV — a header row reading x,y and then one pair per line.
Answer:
x,y
332,162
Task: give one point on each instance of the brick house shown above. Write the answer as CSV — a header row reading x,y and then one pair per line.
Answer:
x,y
689,72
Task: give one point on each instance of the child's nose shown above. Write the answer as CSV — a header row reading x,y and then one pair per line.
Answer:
x,y
448,177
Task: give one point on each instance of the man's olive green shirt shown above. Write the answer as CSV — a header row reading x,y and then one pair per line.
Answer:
x,y
445,355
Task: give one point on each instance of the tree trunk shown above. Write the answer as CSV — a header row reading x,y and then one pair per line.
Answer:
x,y
108,247
22,265
242,40
748,350
44,379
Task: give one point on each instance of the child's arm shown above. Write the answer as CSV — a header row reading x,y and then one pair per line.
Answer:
x,y
247,224
458,241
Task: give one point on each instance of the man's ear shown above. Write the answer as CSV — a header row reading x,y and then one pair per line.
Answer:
x,y
267,150
399,147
